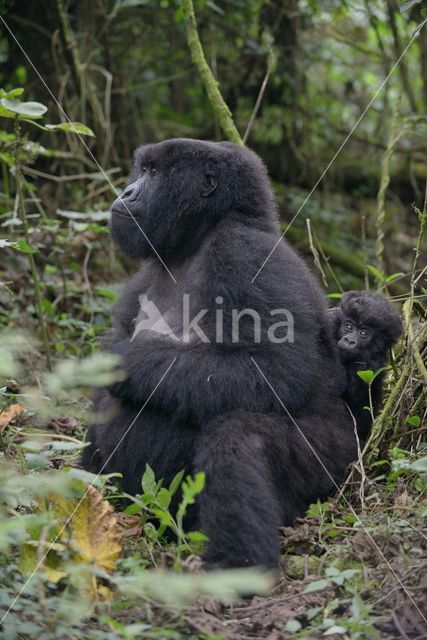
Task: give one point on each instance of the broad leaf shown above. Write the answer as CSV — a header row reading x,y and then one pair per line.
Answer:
x,y
164,498
367,376
149,481
72,127
88,528
11,94
176,482
27,109
21,245
317,585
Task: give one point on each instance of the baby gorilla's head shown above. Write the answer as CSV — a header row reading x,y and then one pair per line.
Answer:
x,y
367,325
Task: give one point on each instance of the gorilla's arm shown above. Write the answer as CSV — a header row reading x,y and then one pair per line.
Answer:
x,y
209,378
206,382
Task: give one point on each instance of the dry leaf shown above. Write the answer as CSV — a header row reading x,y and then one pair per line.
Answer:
x,y
92,530
14,411
89,528
130,526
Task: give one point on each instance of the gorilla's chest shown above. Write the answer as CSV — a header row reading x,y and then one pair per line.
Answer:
x,y
166,308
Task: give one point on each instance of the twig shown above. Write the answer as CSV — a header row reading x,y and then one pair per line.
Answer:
x,y
219,106
260,97
407,308
315,253
385,180
399,626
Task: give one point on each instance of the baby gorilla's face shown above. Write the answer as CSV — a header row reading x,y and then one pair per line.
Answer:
x,y
354,338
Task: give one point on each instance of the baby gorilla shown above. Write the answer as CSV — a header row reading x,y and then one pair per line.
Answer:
x,y
365,327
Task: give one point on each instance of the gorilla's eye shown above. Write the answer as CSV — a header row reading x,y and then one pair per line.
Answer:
x,y
153,171
364,333
143,169
348,326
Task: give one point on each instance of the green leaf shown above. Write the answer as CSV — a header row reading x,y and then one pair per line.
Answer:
x,y
72,127
317,585
335,629
414,421
334,296
176,483
394,276
27,109
198,484
164,498
419,465
197,536
61,445
163,515
11,94
5,113
367,375
349,573
132,509
21,245
149,481
378,275
292,626
7,158
104,292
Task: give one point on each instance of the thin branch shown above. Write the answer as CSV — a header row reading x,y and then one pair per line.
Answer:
x,y
218,103
259,98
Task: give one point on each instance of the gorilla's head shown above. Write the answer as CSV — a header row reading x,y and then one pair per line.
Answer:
x,y
367,325
180,188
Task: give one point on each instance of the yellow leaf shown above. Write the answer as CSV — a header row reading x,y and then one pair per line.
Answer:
x,y
92,530
88,528
53,575
29,560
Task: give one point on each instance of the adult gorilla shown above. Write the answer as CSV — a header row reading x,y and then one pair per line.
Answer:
x,y
260,412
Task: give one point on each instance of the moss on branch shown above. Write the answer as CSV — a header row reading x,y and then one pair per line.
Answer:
x,y
211,85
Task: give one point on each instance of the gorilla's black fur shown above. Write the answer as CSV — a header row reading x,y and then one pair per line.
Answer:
x,y
365,327
208,210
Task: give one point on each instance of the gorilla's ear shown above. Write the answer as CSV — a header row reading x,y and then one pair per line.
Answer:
x,y
209,184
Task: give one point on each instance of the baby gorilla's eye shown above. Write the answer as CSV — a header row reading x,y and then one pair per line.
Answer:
x,y
143,169
348,326
153,171
364,333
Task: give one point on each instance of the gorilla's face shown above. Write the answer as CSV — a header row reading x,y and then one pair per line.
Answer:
x,y
367,326
178,190
170,184
355,340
